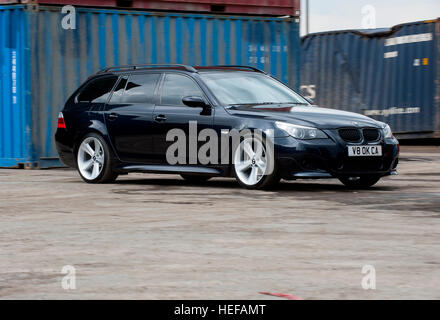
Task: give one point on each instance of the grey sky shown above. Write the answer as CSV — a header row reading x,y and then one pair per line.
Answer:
x,y
345,14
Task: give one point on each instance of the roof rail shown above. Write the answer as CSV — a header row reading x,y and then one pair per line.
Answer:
x,y
241,67
146,66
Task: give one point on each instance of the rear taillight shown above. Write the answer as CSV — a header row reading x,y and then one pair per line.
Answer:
x,y
61,123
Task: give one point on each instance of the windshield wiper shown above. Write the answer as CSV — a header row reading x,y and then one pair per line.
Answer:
x,y
251,103
266,103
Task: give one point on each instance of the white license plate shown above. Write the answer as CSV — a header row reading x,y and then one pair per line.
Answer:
x,y
364,151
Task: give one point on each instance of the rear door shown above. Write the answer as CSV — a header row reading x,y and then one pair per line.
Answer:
x,y
170,113
129,117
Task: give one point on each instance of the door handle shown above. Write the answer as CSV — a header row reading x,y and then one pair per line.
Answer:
x,y
112,116
160,118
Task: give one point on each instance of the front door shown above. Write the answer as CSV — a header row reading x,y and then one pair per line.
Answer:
x,y
170,113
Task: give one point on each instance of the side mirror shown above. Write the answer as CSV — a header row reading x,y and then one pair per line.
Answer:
x,y
309,100
194,102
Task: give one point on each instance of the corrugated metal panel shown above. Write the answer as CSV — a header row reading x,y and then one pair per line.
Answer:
x,y
14,118
391,76
60,60
256,7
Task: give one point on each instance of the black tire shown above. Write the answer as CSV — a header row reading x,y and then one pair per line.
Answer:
x,y
106,175
362,182
194,178
268,180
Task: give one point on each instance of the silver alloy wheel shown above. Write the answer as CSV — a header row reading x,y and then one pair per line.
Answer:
x,y
91,158
250,161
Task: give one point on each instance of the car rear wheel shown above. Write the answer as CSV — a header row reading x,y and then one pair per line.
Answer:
x,y
94,161
254,165
361,182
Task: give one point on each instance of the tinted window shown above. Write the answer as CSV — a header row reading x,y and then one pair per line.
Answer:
x,y
98,90
176,86
140,88
119,91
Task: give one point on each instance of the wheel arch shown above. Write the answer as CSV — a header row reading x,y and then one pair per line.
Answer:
x,y
97,128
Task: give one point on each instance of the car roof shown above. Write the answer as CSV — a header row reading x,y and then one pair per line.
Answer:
x,y
180,67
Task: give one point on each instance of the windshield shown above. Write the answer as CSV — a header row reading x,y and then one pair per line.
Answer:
x,y
249,88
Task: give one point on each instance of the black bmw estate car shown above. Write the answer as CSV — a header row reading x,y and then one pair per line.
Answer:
x,y
126,119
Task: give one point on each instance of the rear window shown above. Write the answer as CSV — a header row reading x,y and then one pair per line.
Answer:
x,y
98,90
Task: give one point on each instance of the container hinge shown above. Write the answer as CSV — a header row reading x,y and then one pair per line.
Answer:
x,y
30,5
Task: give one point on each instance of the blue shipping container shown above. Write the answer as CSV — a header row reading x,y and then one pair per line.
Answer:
x,y
42,63
391,75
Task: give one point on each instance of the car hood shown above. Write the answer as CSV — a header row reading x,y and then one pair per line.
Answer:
x,y
321,118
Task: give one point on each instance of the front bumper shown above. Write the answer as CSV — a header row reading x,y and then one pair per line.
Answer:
x,y
326,158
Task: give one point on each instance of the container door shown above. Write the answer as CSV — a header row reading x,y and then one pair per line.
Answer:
x,y
128,117
171,113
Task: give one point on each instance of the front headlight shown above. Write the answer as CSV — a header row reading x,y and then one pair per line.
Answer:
x,y
300,132
387,133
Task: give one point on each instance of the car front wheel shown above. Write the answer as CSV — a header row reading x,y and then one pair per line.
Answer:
x,y
94,161
254,165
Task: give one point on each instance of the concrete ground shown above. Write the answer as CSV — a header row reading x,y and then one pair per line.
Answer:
x,y
156,237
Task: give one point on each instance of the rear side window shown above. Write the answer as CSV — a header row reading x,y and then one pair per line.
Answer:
x,y
98,90
177,86
140,88
119,91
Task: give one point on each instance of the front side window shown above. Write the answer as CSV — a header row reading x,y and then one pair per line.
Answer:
x,y
176,87
98,90
232,88
140,88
